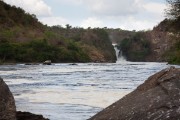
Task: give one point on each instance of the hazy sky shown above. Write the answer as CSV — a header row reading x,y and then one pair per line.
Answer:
x,y
124,14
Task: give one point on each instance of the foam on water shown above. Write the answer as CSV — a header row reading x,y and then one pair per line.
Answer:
x,y
74,92
83,96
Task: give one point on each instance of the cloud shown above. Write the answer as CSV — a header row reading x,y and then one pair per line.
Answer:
x,y
70,2
37,7
126,23
91,22
113,7
50,21
155,8
126,14
132,23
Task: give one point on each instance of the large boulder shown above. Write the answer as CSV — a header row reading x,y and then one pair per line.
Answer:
x,y
7,103
157,99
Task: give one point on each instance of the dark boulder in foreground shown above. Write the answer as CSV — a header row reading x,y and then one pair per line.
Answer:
x,y
29,116
7,103
156,99
8,108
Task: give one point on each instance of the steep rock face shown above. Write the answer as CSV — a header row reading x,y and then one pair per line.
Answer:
x,y
161,39
7,103
158,98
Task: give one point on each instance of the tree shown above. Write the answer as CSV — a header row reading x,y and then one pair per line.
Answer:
x,y
174,9
68,26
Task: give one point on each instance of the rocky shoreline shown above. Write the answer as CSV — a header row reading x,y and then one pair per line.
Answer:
x,y
8,108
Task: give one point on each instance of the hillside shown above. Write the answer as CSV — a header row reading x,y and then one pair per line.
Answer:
x,y
165,41
162,44
24,39
95,42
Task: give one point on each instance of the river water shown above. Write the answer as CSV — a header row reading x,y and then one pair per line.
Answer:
x,y
74,92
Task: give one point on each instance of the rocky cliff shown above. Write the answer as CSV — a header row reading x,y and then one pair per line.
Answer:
x,y
156,99
162,38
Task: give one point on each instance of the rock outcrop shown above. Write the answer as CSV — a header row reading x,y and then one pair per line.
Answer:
x,y
7,103
29,116
157,99
47,62
161,40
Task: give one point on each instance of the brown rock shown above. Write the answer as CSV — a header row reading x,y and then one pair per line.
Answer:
x,y
29,116
7,103
157,99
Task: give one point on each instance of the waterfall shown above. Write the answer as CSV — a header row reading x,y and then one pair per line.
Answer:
x,y
119,54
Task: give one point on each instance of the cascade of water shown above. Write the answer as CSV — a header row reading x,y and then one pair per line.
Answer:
x,y
117,51
121,57
119,54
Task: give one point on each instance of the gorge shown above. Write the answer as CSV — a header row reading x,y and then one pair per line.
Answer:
x,y
86,70
76,44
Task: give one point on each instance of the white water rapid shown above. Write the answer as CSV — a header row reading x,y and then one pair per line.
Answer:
x,y
74,92
119,55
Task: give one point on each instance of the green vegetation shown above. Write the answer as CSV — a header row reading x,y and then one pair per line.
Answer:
x,y
104,44
24,39
173,55
95,42
39,51
135,48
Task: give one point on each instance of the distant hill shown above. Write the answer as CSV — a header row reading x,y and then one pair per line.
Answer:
x,y
24,39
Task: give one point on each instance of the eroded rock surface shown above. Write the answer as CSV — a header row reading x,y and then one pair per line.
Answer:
x,y
7,103
156,99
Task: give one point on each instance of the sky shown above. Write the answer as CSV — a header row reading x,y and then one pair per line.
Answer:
x,y
123,14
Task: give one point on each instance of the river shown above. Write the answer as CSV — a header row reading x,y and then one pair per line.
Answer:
x,y
74,92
